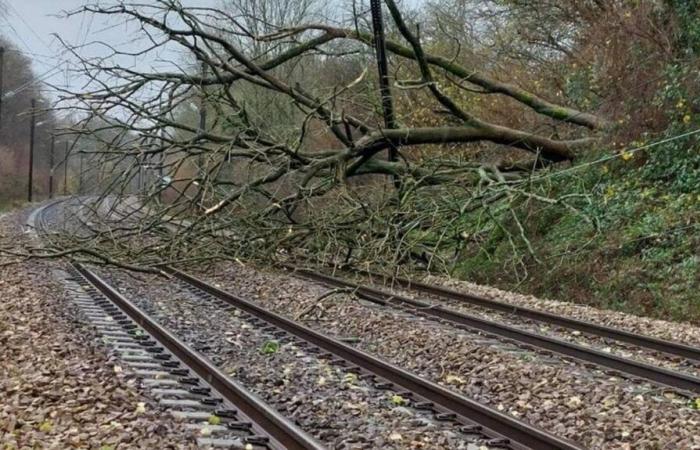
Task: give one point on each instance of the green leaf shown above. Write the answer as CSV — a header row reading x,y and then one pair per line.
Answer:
x,y
350,378
46,426
396,399
270,347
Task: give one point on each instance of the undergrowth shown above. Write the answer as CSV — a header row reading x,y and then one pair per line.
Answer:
x,y
638,251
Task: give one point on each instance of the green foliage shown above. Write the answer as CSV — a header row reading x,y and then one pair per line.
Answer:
x,y
579,86
676,164
688,15
270,347
638,251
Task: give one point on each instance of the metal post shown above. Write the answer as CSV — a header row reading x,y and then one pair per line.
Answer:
x,y
202,119
2,67
32,123
202,103
139,174
53,142
383,68
65,170
80,180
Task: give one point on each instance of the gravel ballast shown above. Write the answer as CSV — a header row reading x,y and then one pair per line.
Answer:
x,y
662,329
594,408
607,345
57,387
337,407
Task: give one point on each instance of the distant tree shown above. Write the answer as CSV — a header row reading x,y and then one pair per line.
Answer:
x,y
20,86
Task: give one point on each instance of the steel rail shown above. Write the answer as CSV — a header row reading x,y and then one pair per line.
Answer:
x,y
520,435
658,375
283,433
673,348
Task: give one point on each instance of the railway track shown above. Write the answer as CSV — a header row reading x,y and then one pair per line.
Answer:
x,y
167,362
183,380
686,384
499,429
194,390
647,342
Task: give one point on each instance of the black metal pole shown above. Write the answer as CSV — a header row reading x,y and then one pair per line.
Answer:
x,y
32,124
203,102
202,119
383,67
80,180
51,149
2,68
65,170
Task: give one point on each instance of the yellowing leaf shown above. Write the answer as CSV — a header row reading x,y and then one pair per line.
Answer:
x,y
140,408
396,399
395,436
214,420
46,426
627,156
350,378
454,379
574,401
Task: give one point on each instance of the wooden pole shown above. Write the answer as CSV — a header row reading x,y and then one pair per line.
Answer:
x,y
65,170
32,125
51,149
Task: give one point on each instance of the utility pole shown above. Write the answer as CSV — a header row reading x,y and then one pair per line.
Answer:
x,y
80,180
2,68
202,118
65,170
32,124
51,149
202,103
383,68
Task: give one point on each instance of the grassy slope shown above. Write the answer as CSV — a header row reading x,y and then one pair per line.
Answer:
x,y
643,258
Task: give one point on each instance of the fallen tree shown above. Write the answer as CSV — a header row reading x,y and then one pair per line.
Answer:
x,y
316,182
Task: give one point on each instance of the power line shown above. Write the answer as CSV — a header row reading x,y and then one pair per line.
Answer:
x,y
629,150
32,82
14,10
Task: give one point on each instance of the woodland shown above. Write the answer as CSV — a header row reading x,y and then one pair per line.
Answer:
x,y
548,147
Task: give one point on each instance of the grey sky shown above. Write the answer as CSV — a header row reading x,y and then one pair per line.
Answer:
x,y
30,24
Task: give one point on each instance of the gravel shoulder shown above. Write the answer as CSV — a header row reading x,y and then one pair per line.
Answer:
x,y
611,346
662,329
58,388
591,407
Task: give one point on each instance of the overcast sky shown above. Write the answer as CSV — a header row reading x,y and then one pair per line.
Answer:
x,y
30,24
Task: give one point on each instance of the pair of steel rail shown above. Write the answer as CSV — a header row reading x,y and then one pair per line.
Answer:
x,y
476,418
499,429
686,384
